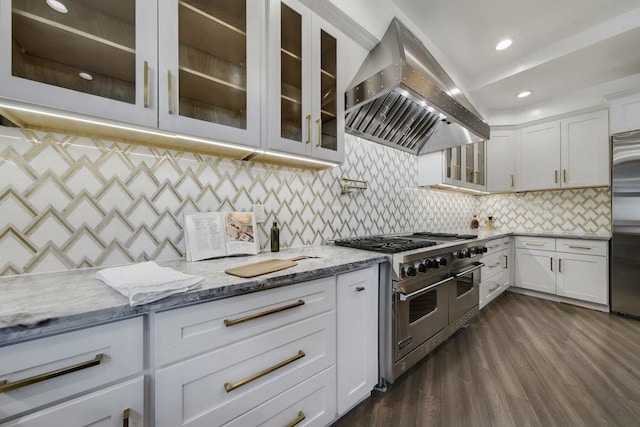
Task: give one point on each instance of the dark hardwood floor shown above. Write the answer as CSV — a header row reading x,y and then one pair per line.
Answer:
x,y
523,362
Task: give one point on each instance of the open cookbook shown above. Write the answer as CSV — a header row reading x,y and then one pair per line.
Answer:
x,y
219,234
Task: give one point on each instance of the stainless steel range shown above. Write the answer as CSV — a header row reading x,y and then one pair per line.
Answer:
x,y
429,292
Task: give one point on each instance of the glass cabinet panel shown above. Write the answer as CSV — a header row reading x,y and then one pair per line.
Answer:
x,y
469,165
212,61
480,160
327,136
83,45
291,74
453,156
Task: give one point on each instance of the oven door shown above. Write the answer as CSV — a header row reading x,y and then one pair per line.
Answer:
x,y
421,311
465,291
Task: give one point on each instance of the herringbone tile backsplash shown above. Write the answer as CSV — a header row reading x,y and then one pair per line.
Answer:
x,y
70,202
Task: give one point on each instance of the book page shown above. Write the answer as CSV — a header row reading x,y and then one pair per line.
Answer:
x,y
240,228
204,235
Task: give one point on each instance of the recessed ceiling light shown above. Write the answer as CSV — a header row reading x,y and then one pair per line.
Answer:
x,y
524,94
57,6
86,76
504,44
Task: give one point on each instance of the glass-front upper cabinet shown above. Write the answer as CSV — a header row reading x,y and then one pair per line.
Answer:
x,y
453,159
474,163
306,101
86,56
209,68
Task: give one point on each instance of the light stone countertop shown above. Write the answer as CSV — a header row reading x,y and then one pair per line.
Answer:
x,y
489,234
42,304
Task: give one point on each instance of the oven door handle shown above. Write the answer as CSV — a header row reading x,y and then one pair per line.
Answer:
x,y
462,273
404,297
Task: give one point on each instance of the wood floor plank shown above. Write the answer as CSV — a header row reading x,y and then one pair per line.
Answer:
x,y
523,362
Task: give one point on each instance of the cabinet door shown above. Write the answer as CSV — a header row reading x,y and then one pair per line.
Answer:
x,y
97,58
327,83
452,162
501,161
535,270
583,277
209,66
357,302
290,124
625,113
585,150
109,407
540,157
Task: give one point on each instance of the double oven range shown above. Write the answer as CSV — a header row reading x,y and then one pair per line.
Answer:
x,y
428,290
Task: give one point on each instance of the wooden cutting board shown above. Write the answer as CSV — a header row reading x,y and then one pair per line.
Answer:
x,y
264,267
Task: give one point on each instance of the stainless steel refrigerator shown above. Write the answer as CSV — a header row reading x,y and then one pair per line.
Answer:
x,y
625,242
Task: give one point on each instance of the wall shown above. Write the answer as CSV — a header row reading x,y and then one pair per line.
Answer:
x,y
569,211
72,202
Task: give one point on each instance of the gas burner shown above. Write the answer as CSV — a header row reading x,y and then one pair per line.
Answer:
x,y
387,245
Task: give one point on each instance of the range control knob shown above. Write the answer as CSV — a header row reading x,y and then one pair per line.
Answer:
x,y
467,253
431,263
410,270
458,254
422,267
442,261
484,249
475,250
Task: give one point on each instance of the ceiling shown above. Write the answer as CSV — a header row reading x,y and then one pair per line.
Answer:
x,y
558,46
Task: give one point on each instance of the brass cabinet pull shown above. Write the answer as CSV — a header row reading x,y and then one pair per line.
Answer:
x,y
477,177
506,261
494,265
319,126
7,386
564,175
308,128
559,265
533,244
580,247
494,288
125,417
513,183
232,322
360,288
556,176
551,263
298,420
493,246
232,386
170,91
146,84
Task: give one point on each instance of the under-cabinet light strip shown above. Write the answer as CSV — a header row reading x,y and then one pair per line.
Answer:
x,y
453,187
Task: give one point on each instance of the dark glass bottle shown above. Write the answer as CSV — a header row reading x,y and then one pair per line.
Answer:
x,y
275,237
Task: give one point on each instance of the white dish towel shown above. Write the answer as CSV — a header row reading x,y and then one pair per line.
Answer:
x,y
147,282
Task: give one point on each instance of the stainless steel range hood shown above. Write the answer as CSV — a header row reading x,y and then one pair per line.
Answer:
x,y
402,97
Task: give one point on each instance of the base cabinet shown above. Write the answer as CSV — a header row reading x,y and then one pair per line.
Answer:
x,y
569,268
496,273
357,300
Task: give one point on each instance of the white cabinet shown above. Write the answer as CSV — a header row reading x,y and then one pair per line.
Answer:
x,y
357,298
45,53
115,406
501,151
305,83
538,165
209,68
495,276
625,113
584,156
38,373
569,268
568,153
462,166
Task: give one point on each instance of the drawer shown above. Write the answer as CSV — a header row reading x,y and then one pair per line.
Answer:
x,y
490,289
78,352
537,243
312,403
194,392
506,243
106,407
493,265
493,246
581,246
186,332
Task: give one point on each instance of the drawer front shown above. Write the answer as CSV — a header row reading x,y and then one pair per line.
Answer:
x,y
581,246
536,243
194,392
119,343
312,403
506,243
186,332
107,407
493,246
492,266
489,290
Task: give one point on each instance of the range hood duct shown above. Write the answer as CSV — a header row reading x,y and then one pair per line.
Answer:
x,y
402,97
